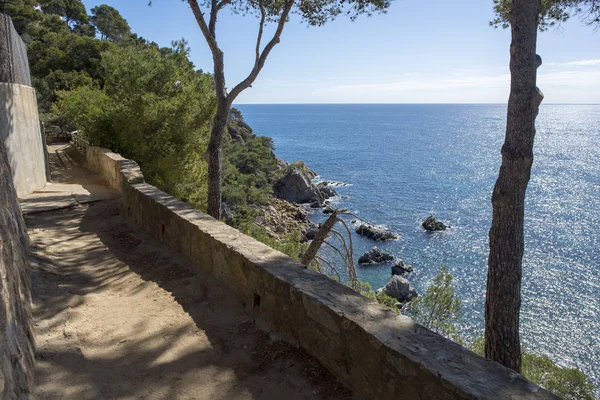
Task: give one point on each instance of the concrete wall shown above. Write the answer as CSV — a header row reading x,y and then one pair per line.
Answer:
x,y
374,351
20,130
16,333
19,120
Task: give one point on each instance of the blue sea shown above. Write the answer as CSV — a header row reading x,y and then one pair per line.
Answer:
x,y
403,162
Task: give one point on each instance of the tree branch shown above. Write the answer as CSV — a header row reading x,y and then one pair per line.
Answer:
x,y
222,4
212,23
210,39
330,266
258,65
219,65
260,30
337,251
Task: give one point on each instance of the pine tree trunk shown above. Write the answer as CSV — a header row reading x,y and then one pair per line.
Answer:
x,y
503,297
215,154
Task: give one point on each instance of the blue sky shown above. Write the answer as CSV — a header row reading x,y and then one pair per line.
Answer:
x,y
437,51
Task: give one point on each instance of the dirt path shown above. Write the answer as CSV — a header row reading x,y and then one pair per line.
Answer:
x,y
119,316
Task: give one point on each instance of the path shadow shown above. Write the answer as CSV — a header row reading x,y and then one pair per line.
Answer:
x,y
114,250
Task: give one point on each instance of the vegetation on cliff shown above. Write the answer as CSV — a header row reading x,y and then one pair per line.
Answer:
x,y
440,309
148,103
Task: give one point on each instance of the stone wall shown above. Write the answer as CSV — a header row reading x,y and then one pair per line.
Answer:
x,y
19,120
374,351
16,333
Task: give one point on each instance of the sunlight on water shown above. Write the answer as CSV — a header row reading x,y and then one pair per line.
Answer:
x,y
407,161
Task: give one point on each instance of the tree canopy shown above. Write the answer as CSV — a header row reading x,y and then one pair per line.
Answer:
x,y
22,13
109,22
552,12
72,11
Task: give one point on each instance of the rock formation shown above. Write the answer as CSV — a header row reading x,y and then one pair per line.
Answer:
x,y
280,217
399,268
431,224
296,186
375,233
374,256
399,288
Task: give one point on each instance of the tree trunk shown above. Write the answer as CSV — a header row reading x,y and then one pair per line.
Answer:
x,y
320,237
216,136
503,297
215,158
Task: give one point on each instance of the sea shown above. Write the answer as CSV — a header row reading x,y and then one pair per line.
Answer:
x,y
403,162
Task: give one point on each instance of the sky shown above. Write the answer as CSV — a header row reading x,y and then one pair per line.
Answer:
x,y
435,51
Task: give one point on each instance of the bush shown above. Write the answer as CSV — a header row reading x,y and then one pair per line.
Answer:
x,y
153,108
568,383
289,244
382,298
439,308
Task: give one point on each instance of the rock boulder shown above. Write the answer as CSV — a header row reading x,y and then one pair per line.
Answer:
x,y
328,210
431,224
374,256
296,185
399,268
326,190
399,288
311,231
375,233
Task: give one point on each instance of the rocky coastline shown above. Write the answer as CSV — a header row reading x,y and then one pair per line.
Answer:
x,y
296,193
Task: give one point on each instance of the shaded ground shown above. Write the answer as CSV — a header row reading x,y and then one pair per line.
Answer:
x,y
119,316
71,185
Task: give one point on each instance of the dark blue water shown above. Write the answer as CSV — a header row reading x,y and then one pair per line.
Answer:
x,y
404,162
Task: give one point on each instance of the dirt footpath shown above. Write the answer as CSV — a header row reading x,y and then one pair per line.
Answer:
x,y
119,316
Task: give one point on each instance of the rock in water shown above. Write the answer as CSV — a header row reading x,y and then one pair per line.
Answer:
x,y
328,210
296,185
399,268
316,204
375,233
400,288
431,224
311,232
374,256
326,190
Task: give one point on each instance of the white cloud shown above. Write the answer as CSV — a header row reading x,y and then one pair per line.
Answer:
x,y
574,79
419,81
584,62
578,63
558,85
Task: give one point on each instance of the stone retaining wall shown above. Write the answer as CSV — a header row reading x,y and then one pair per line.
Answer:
x,y
375,352
16,333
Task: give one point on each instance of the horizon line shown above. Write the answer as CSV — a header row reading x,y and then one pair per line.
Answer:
x,y
406,103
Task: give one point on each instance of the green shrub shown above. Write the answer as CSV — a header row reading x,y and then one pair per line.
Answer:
x,y
568,383
382,298
439,308
289,244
